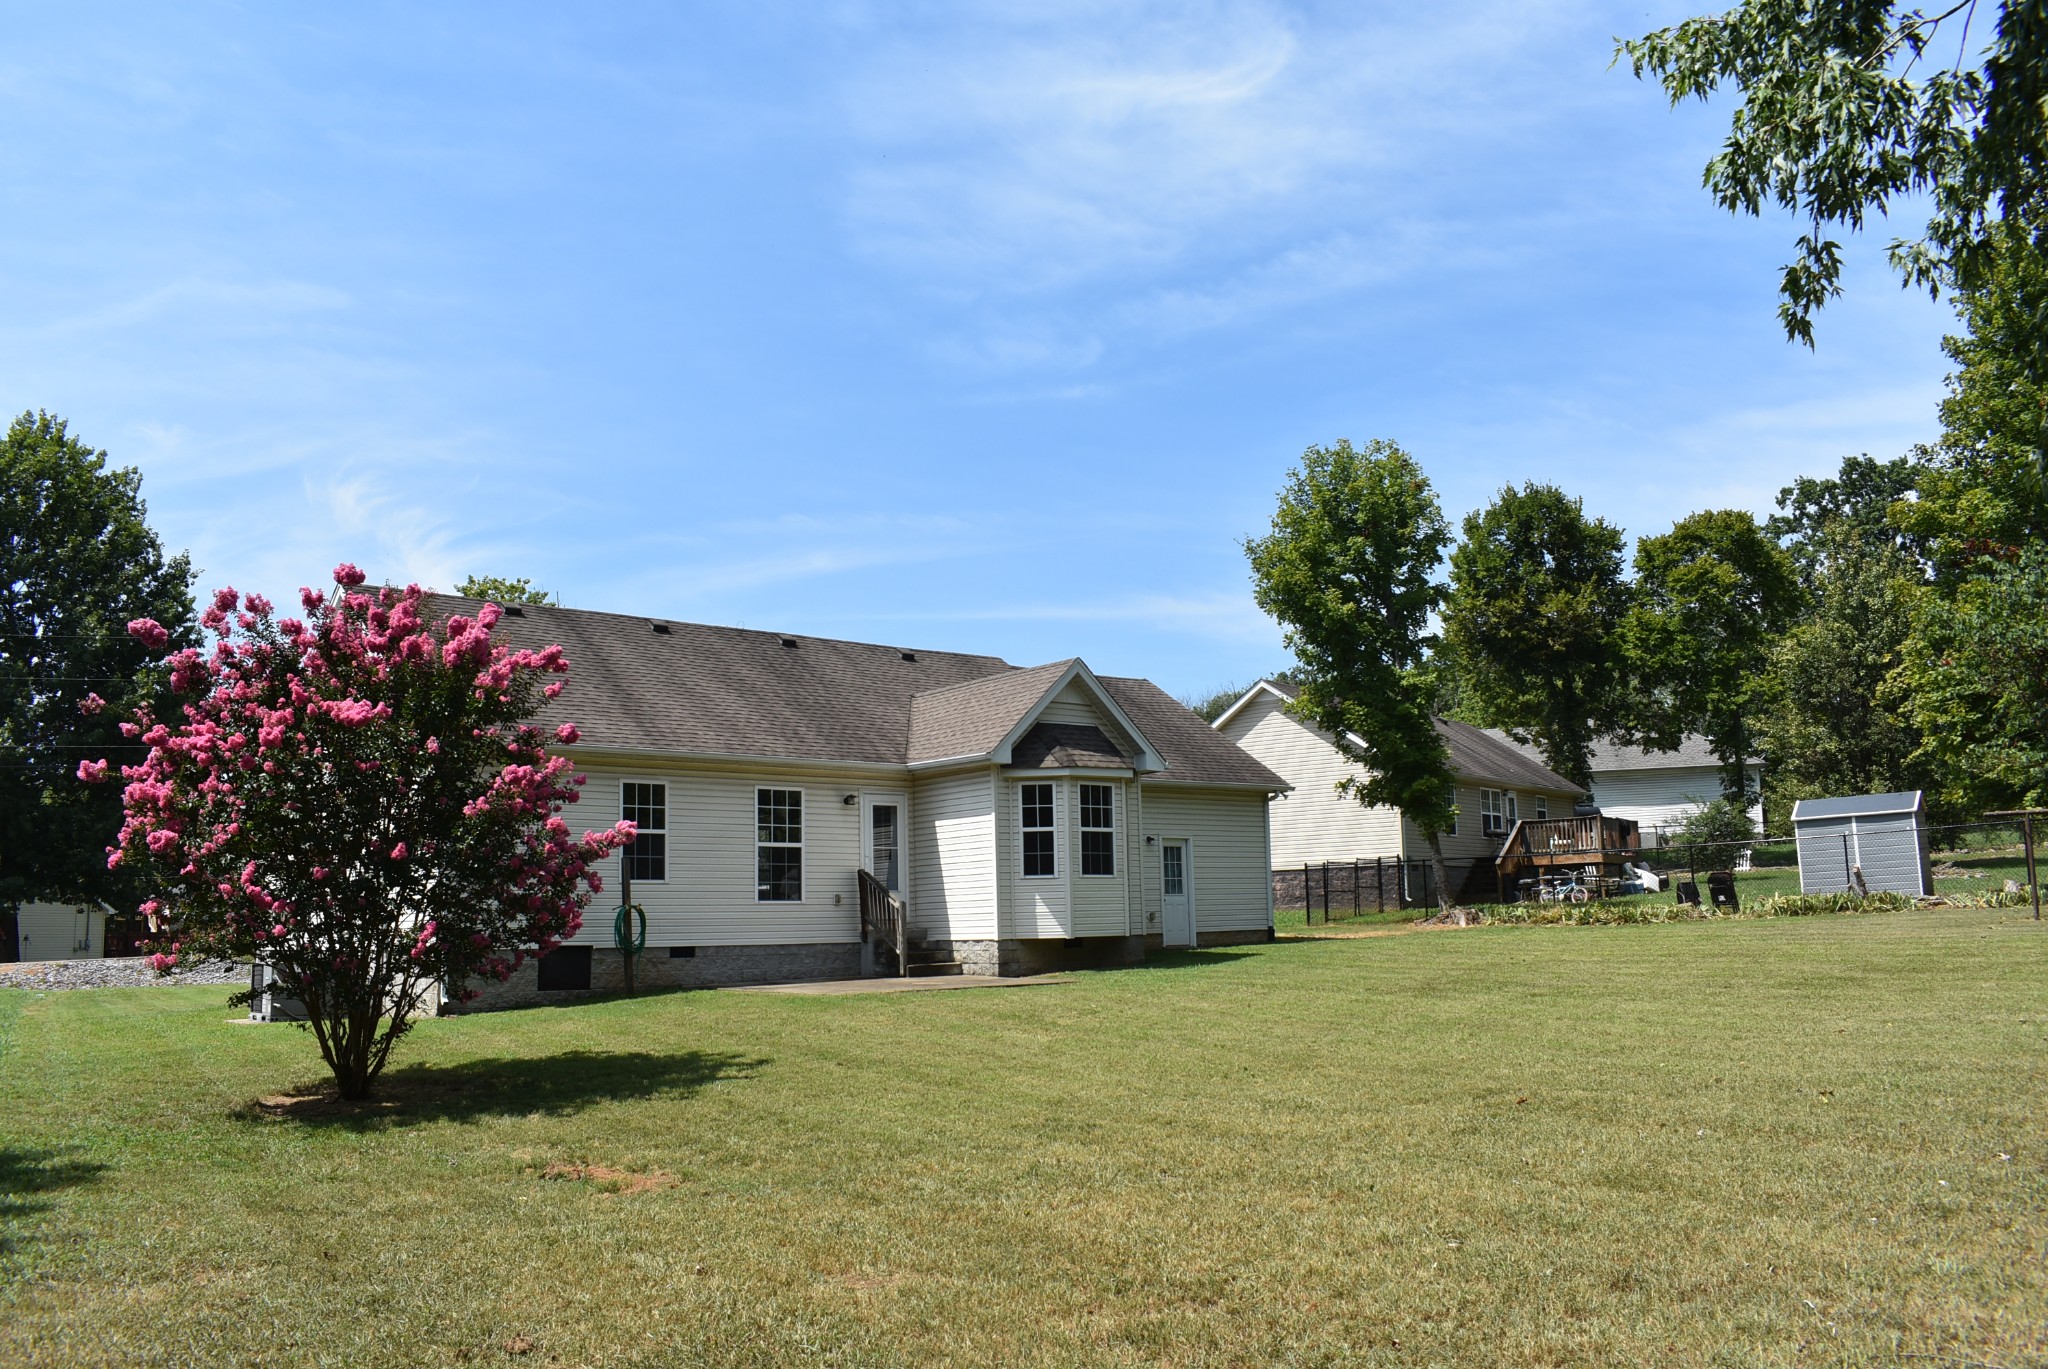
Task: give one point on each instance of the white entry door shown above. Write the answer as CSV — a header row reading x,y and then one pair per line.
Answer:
x,y
882,845
1177,904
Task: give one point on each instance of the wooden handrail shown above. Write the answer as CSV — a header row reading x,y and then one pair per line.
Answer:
x,y
885,917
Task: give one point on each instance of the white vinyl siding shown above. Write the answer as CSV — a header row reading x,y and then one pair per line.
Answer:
x,y
59,931
710,897
1661,799
1228,875
1076,705
1100,905
1037,906
953,871
1314,822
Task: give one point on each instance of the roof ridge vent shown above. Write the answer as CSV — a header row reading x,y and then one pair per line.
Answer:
x,y
514,611
789,641
661,628
907,655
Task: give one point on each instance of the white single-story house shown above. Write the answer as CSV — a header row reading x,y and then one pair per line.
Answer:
x,y
1657,789
1026,818
1314,823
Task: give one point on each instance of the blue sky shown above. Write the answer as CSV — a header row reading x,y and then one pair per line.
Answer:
x,y
988,327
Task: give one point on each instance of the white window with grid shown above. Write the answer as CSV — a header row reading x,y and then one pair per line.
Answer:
x,y
1098,829
645,805
779,845
1039,846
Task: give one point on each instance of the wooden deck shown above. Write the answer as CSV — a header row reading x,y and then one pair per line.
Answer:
x,y
1538,847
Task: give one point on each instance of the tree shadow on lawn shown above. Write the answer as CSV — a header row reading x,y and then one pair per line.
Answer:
x,y
26,1175
1183,958
555,1085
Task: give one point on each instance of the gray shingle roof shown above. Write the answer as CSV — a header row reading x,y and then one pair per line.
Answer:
x,y
972,718
1058,746
1194,752
1477,754
1692,753
720,691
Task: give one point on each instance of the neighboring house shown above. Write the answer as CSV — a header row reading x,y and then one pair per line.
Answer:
x,y
1028,817
1659,789
59,931
1496,785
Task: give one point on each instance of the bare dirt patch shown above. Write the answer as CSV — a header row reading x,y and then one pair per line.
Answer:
x,y
609,1179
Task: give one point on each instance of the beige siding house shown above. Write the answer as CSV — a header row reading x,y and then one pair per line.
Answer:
x,y
1314,823
1027,818
1657,789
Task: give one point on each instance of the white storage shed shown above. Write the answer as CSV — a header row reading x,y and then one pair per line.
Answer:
x,y
1883,834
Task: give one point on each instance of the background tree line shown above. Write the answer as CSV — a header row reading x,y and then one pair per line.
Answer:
x,y
1886,629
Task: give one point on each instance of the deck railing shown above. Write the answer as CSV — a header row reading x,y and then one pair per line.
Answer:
x,y
885,920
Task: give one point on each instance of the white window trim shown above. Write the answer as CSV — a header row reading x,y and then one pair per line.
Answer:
x,y
666,852
1493,820
803,866
1452,830
1058,862
1542,806
1115,828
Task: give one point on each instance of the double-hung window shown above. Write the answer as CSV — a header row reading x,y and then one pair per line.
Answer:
x,y
646,807
1497,810
1542,808
779,845
1098,829
1451,798
1035,808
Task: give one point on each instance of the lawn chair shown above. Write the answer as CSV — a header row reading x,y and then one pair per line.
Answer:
x,y
1688,894
1721,888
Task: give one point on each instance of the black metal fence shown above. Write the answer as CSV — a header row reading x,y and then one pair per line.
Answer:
x,y
1990,853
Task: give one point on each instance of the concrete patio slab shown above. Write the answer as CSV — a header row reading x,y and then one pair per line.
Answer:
x,y
893,985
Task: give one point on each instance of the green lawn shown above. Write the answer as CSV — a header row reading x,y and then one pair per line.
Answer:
x,y
1797,1141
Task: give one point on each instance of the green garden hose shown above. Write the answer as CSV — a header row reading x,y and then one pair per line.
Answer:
x,y
624,936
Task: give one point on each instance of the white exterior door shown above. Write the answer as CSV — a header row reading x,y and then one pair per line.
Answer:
x,y
883,847
1177,904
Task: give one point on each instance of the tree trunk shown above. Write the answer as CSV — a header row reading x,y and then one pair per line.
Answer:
x,y
1444,902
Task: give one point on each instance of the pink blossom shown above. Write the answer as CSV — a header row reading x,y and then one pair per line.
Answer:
x,y
567,734
91,704
553,690
92,772
399,852
150,633
433,746
347,574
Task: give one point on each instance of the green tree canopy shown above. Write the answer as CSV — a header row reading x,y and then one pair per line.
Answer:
x,y
78,562
1983,488
1713,595
1975,683
498,590
1849,106
1849,510
1830,724
1348,572
1532,619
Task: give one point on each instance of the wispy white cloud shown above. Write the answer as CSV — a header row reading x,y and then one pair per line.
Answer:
x,y
1182,166
1220,615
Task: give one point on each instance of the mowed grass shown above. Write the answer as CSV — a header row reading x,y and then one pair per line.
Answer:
x,y
1799,1141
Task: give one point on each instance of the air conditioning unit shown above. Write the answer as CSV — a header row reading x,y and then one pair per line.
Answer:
x,y
270,1004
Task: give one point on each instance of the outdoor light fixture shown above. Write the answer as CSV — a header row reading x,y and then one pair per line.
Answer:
x,y
1149,841
851,798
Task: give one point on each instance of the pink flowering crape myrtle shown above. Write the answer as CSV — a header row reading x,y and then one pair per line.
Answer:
x,y
356,799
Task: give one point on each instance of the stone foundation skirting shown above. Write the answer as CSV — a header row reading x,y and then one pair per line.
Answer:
x,y
975,957
708,967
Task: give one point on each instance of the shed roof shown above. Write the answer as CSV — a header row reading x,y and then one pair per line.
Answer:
x,y
1857,806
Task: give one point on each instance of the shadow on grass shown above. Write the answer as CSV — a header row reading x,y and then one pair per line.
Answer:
x,y
25,1176
1184,959
554,1085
